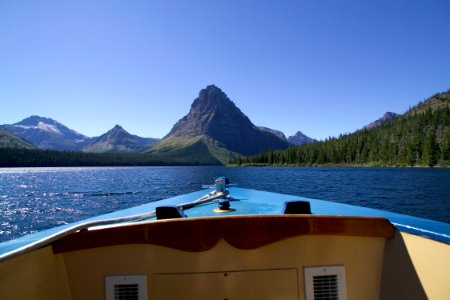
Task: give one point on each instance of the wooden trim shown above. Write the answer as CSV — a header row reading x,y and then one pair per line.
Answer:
x,y
242,232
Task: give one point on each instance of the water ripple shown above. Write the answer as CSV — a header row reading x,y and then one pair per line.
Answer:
x,y
33,199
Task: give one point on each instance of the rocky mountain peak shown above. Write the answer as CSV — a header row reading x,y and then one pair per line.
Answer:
x,y
36,120
117,128
389,115
116,131
299,139
385,118
118,140
211,92
214,115
213,100
47,133
211,112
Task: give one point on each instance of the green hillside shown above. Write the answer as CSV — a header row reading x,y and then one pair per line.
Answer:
x,y
198,150
420,137
10,140
436,102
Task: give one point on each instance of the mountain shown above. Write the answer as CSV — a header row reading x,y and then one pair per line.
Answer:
x,y
11,140
118,140
199,150
419,137
435,102
299,139
275,132
385,118
218,124
47,133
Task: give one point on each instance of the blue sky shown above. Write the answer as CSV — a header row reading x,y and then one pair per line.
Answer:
x,y
322,67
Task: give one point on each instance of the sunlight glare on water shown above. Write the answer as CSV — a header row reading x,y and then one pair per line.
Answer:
x,y
34,199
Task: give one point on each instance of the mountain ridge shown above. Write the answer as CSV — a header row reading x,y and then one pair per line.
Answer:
x,y
421,136
437,101
118,140
10,140
385,118
46,133
418,138
276,132
299,138
223,125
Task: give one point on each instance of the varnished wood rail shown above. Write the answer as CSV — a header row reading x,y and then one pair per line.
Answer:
x,y
242,232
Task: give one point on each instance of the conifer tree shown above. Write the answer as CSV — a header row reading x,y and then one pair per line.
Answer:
x,y
430,150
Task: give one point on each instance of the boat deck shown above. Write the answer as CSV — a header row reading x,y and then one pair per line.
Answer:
x,y
252,250
246,202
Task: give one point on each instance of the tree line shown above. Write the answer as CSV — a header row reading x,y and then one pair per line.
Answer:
x,y
415,139
13,157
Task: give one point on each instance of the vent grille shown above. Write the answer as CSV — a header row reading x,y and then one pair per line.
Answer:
x,y
325,287
325,283
126,287
126,292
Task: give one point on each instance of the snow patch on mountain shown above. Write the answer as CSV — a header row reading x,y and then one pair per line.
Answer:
x,y
48,128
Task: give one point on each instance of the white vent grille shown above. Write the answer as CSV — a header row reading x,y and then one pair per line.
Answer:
x,y
126,292
325,287
325,283
126,287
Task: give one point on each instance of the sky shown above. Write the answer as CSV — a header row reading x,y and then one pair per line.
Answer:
x,y
322,67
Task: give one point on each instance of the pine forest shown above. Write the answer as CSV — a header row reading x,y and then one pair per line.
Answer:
x,y
420,137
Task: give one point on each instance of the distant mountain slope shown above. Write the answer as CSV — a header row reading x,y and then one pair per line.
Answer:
x,y
215,120
385,118
118,140
10,140
435,102
47,133
275,132
200,150
299,139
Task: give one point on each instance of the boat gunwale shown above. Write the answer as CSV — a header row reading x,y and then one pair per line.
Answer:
x,y
242,232
430,229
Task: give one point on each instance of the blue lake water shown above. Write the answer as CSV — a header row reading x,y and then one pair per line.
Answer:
x,y
34,199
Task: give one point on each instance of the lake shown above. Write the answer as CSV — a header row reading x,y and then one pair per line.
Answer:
x,y
34,199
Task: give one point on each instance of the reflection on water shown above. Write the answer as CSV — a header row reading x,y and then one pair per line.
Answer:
x,y
33,199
